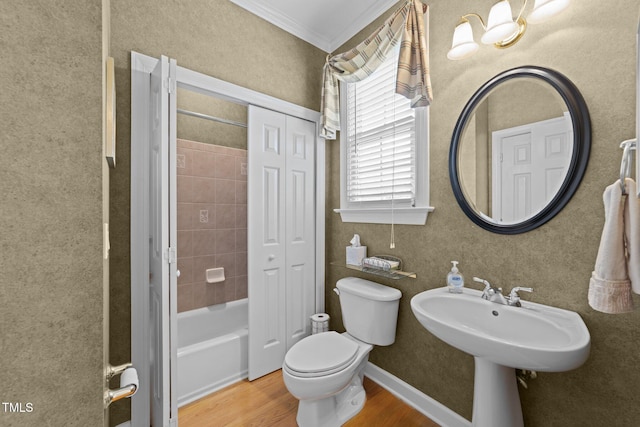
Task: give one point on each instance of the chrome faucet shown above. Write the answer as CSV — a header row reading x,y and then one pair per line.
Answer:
x,y
514,298
493,294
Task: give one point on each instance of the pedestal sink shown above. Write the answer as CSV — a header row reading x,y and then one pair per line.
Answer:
x,y
501,338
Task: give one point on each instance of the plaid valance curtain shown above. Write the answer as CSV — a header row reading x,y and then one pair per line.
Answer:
x,y
405,26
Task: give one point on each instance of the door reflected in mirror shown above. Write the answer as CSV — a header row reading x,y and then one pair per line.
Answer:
x,y
519,149
515,150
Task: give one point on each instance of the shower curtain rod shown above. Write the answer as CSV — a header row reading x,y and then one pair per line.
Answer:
x,y
212,118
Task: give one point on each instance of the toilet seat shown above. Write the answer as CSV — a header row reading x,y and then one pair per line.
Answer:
x,y
321,354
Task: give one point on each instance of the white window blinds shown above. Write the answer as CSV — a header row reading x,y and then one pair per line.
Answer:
x,y
380,130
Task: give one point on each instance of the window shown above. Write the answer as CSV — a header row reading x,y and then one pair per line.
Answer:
x,y
384,152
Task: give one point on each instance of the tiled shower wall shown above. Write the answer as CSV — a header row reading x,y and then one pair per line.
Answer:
x,y
212,223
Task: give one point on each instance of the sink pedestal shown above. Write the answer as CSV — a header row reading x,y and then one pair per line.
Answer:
x,y
496,402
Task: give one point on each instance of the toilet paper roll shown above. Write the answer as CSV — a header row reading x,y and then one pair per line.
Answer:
x,y
319,323
129,377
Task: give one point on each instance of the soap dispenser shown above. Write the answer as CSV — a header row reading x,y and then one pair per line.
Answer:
x,y
455,281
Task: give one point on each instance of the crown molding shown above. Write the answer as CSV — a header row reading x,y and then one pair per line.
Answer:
x,y
326,42
376,9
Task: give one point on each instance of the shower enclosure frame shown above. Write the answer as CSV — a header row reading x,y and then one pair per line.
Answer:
x,y
141,67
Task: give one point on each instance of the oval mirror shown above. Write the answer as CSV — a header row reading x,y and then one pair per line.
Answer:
x,y
519,149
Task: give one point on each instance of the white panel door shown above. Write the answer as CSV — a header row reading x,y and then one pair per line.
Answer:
x,y
516,174
162,274
300,227
267,244
530,164
281,229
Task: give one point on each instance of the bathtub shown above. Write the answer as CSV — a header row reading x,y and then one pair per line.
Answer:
x,y
212,349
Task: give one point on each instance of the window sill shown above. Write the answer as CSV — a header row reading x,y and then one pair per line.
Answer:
x,y
408,216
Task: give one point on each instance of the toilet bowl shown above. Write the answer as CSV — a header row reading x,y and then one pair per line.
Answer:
x,y
325,371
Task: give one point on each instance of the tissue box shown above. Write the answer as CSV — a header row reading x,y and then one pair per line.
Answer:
x,y
356,254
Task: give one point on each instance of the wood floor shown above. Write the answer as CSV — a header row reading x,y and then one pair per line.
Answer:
x,y
266,402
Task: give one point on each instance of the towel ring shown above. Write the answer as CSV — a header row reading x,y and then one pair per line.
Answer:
x,y
625,164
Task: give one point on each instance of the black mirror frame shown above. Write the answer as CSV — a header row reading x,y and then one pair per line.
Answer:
x,y
581,147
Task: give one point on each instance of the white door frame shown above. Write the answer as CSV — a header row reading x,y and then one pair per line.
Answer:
x,y
141,67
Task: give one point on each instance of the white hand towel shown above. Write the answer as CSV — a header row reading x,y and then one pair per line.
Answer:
x,y
610,287
632,234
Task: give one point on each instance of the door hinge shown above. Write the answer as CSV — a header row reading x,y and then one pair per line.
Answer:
x,y
170,85
170,255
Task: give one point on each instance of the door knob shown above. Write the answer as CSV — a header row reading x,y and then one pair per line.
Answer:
x,y
271,257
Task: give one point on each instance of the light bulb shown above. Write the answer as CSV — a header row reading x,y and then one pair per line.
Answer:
x,y
463,44
545,9
500,25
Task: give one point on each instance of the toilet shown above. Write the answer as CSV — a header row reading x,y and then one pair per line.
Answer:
x,y
324,371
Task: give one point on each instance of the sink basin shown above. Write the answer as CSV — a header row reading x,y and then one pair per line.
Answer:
x,y
500,338
535,336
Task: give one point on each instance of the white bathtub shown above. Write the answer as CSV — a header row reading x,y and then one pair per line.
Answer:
x,y
212,349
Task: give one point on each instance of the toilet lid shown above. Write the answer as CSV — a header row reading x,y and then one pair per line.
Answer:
x,y
321,354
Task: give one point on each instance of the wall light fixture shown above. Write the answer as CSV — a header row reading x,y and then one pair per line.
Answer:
x,y
501,30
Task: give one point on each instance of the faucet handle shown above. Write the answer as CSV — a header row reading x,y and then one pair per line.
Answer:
x,y
487,285
514,298
489,291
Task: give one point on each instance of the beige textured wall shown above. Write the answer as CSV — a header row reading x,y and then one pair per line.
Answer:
x,y
216,38
51,293
522,101
594,45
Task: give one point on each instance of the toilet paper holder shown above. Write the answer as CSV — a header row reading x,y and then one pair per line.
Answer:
x,y
128,383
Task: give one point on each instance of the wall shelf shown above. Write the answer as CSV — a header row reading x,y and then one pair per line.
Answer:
x,y
389,274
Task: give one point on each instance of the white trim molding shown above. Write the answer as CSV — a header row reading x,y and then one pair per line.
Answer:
x,y
283,15
401,211
141,67
413,397
408,216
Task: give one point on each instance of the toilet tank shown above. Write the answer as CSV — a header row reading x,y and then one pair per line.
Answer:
x,y
369,310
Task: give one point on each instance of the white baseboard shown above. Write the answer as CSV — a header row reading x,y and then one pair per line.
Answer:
x,y
413,397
